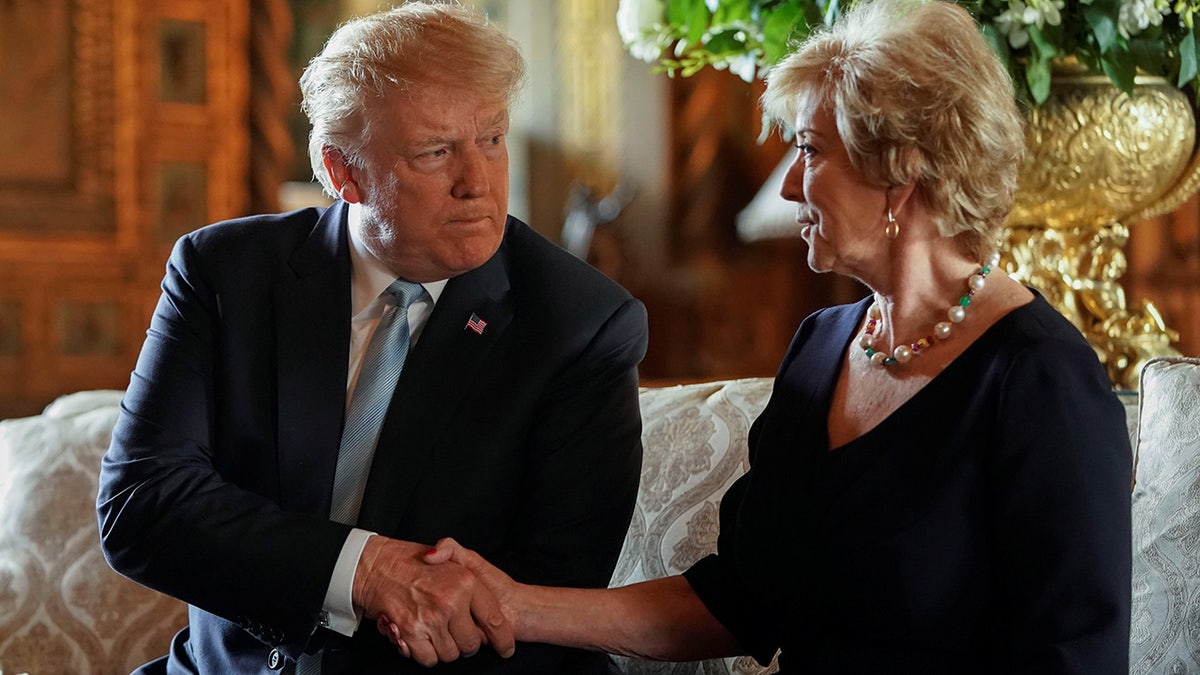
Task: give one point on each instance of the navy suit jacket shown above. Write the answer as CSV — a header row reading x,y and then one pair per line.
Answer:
x,y
522,442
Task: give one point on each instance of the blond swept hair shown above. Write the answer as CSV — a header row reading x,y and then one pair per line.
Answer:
x,y
919,98
370,59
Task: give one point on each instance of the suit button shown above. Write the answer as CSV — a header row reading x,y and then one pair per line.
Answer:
x,y
275,660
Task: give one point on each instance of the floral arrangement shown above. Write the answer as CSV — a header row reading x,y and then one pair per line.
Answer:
x,y
1116,37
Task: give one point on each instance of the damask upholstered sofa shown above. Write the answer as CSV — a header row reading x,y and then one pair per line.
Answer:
x,y
63,611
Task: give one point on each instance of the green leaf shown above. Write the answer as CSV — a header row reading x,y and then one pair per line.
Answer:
x,y
731,11
697,21
779,27
1148,52
726,42
1037,75
1187,58
1103,27
1121,71
677,11
1042,47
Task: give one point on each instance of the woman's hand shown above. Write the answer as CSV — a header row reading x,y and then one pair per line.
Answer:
x,y
500,584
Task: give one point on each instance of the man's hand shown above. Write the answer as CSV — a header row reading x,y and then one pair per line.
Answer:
x,y
432,612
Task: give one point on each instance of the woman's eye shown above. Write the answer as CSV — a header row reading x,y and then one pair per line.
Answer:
x,y
805,149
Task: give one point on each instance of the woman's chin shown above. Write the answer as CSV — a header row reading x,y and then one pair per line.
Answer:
x,y
817,262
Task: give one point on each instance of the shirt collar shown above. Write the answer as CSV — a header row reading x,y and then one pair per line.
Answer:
x,y
369,276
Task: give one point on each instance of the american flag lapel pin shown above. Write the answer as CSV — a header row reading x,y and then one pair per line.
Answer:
x,y
476,324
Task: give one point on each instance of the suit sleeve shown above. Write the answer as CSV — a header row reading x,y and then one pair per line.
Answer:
x,y
1061,480
169,520
584,469
584,462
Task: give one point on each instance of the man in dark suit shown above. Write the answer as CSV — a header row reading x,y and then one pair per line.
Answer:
x,y
512,425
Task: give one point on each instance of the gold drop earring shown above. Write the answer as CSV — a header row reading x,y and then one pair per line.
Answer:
x,y
893,228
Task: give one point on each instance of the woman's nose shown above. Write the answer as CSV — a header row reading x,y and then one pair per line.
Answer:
x,y
792,188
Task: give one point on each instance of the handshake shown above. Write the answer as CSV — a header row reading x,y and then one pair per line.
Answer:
x,y
443,603
434,604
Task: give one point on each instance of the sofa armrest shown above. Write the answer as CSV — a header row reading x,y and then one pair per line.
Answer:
x,y
62,610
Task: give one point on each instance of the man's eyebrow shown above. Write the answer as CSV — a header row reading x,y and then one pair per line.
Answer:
x,y
500,119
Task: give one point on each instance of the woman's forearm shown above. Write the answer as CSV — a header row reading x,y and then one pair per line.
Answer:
x,y
661,619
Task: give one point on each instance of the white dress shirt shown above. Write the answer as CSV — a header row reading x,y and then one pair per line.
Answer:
x,y
369,277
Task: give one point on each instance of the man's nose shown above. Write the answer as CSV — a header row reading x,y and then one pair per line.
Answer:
x,y
473,179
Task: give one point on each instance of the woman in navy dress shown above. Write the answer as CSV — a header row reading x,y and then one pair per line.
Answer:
x,y
940,481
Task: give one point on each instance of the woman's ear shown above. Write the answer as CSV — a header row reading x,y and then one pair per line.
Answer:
x,y
898,196
341,175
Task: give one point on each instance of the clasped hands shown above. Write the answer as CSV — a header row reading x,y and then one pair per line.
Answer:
x,y
432,611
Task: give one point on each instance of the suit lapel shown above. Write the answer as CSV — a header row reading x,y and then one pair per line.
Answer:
x,y
438,372
313,339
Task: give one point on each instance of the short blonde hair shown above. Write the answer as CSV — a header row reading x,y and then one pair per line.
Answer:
x,y
919,98
370,59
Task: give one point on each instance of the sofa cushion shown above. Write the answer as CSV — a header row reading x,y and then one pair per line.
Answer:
x,y
1165,626
694,438
62,610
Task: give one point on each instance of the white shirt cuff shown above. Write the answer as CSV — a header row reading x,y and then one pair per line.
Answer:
x,y
340,615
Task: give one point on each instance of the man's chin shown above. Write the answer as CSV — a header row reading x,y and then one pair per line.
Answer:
x,y
471,255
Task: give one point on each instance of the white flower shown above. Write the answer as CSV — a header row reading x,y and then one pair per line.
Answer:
x,y
1138,15
1042,12
745,65
1014,22
638,22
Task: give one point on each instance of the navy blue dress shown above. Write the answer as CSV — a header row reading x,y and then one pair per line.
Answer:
x,y
983,527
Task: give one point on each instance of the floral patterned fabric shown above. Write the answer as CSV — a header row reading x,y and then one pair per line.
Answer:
x,y
62,610
694,440
1165,623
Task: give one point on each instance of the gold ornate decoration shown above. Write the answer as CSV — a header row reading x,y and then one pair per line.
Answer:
x,y
1099,159
590,107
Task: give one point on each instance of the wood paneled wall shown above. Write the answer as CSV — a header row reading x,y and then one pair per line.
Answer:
x,y
134,126
1164,268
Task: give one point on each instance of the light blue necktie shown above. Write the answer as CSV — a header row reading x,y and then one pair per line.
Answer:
x,y
377,379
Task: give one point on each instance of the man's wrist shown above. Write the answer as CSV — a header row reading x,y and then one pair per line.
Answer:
x,y
359,588
339,612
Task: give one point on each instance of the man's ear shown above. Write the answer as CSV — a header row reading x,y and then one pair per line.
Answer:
x,y
341,174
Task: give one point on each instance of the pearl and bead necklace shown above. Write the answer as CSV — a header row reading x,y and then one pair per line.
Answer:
x,y
903,353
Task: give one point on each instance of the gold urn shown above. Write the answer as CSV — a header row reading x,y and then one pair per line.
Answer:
x,y
1098,160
